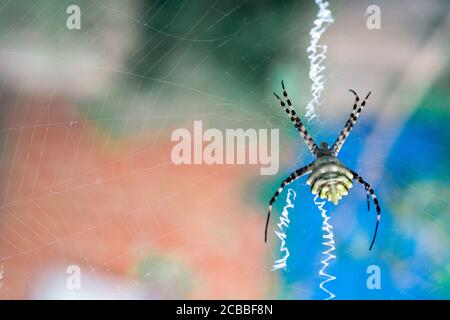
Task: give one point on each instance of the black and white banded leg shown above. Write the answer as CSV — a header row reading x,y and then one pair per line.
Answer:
x,y
370,192
291,178
289,109
349,124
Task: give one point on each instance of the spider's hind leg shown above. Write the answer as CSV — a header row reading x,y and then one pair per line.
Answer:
x,y
291,178
368,200
371,193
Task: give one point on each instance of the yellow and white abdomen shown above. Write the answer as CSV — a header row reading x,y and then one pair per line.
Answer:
x,y
330,179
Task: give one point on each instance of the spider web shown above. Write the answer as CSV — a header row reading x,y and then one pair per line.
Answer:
x,y
85,149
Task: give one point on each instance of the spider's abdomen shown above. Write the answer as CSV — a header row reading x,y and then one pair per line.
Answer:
x,y
330,179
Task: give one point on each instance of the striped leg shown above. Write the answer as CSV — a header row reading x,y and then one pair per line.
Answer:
x,y
291,178
349,124
312,146
370,192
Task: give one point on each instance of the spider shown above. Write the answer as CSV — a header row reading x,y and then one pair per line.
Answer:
x,y
328,177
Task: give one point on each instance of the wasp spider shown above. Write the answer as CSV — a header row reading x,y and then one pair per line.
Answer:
x,y
328,177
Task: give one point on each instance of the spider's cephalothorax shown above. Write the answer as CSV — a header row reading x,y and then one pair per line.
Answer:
x,y
328,177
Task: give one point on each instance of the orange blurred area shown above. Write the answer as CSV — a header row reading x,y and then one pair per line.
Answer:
x,y
74,194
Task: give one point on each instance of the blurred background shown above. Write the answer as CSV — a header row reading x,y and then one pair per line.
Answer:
x,y
86,177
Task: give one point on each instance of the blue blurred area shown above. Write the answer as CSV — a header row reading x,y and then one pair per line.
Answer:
x,y
419,156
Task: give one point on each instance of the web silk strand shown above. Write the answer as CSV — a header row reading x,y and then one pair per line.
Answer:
x,y
281,263
317,55
328,243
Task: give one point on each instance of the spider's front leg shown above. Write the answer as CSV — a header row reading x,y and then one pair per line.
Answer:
x,y
291,178
349,124
370,192
289,109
